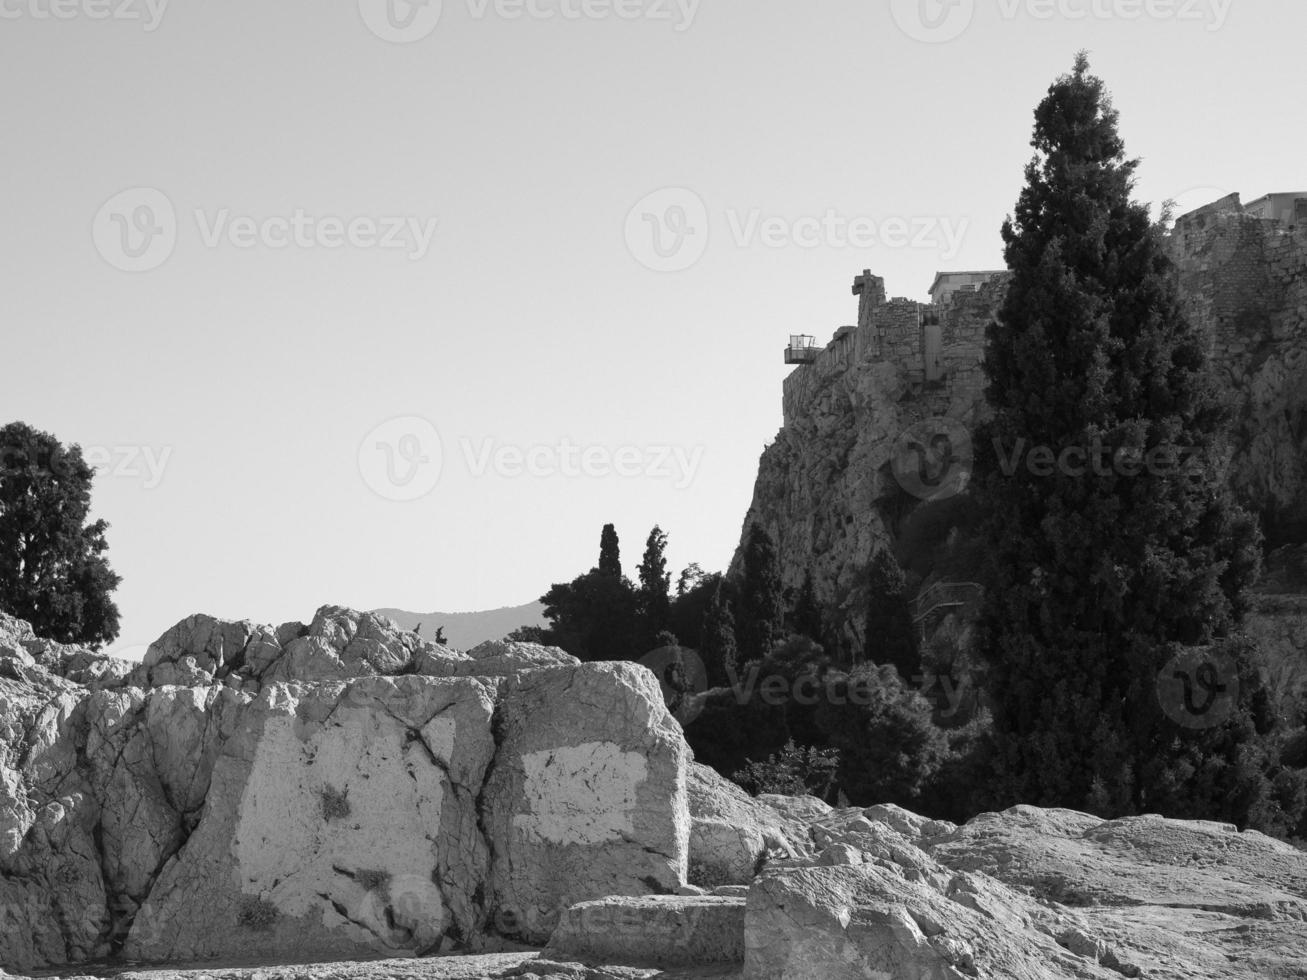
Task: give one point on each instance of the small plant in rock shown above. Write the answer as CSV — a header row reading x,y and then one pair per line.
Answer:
x,y
255,913
335,803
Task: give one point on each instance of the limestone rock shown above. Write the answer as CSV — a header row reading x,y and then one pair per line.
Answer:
x,y
587,796
668,929
197,805
730,831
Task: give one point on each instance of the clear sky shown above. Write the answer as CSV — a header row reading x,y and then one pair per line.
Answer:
x,y
221,272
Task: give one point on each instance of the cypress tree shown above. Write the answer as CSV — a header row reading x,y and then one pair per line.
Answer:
x,y
1119,538
655,583
717,647
761,623
610,557
890,638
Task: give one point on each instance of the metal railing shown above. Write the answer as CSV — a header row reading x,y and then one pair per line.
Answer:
x,y
943,595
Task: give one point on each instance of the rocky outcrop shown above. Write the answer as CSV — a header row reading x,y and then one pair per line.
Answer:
x,y
731,832
1029,893
337,789
826,491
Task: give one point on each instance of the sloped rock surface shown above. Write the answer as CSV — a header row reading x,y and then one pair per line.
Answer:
x,y
731,831
1029,893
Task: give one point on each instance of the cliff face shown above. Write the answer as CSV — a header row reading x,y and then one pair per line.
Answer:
x,y
826,491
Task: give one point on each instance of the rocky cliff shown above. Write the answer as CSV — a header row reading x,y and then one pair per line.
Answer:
x,y
340,788
908,373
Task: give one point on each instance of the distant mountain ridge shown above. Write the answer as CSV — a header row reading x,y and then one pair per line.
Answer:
x,y
465,630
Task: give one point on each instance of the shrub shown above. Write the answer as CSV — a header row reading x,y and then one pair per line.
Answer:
x,y
796,772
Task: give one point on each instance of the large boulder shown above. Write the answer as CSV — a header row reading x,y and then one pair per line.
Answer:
x,y
237,796
587,797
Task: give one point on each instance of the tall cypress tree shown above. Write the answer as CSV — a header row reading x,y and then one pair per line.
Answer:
x,y
761,623
655,583
610,557
891,638
1104,549
717,646
805,617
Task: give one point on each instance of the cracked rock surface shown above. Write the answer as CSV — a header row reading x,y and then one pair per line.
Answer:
x,y
337,789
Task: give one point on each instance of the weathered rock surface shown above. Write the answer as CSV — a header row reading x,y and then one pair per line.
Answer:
x,y
1029,893
731,831
664,929
336,789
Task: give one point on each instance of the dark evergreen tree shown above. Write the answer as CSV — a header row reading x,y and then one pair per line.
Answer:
x,y
610,557
53,572
717,646
655,580
760,624
890,638
1100,560
805,618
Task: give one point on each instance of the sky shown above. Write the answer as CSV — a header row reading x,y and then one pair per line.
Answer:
x,y
382,304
